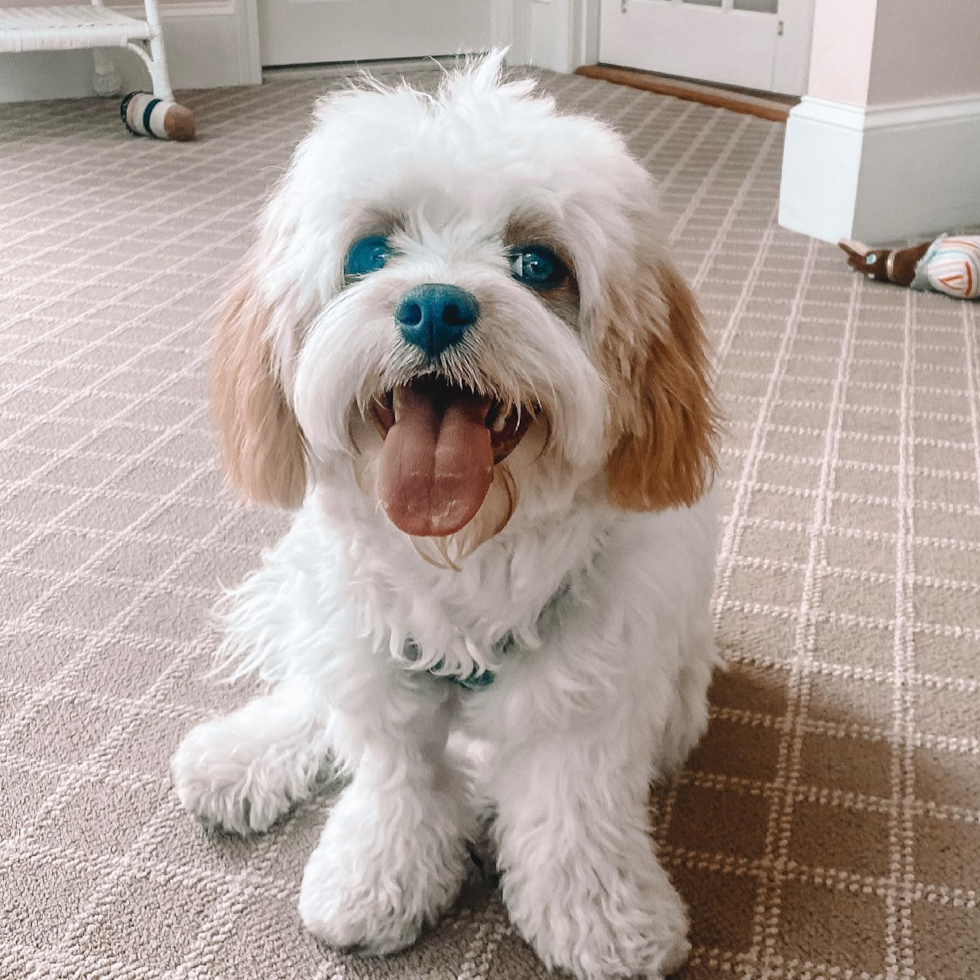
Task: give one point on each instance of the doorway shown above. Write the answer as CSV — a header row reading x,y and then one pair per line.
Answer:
x,y
754,44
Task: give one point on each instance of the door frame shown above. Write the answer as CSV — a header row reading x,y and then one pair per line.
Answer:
x,y
560,35
249,58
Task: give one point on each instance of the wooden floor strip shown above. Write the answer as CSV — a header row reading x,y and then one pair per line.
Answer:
x,y
776,109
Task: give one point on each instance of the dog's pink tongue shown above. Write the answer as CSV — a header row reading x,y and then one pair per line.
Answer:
x,y
437,459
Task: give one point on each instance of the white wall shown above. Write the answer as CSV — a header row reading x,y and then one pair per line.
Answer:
x,y
884,144
925,50
883,52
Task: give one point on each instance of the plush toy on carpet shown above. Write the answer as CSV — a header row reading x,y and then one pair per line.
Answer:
x,y
950,264
146,115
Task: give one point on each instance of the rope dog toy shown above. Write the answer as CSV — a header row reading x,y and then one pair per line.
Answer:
x,y
146,115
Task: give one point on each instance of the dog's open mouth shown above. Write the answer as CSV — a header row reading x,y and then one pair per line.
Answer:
x,y
440,447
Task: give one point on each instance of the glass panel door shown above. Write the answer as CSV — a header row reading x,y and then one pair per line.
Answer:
x,y
760,6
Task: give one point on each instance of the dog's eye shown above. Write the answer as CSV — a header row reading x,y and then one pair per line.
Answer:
x,y
537,267
366,255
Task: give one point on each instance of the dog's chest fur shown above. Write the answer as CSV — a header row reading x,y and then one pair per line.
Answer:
x,y
455,621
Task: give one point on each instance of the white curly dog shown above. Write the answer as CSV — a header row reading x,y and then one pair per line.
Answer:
x,y
460,351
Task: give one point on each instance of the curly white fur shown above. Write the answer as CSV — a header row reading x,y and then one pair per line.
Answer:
x,y
604,685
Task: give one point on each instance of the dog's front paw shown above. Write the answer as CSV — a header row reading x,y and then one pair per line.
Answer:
x,y
375,880
213,782
238,777
614,928
355,913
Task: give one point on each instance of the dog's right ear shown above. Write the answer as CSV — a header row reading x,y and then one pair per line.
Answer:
x,y
262,445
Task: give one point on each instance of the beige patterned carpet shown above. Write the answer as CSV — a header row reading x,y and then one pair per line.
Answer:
x,y
827,827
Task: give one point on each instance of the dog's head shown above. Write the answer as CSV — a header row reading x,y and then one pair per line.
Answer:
x,y
463,300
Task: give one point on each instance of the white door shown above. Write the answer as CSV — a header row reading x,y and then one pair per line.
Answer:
x,y
306,32
759,44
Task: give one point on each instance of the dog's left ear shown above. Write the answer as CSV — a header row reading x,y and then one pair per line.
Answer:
x,y
664,411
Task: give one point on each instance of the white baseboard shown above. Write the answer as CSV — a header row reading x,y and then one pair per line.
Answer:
x,y
883,172
343,69
209,45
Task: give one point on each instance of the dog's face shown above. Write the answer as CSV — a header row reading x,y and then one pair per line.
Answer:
x,y
463,301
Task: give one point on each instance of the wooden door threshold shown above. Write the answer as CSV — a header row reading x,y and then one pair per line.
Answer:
x,y
775,108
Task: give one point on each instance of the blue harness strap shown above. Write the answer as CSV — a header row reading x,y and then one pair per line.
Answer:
x,y
474,682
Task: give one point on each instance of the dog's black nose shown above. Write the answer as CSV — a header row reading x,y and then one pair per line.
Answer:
x,y
434,316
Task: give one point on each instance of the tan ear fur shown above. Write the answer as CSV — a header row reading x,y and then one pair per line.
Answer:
x,y
262,446
664,409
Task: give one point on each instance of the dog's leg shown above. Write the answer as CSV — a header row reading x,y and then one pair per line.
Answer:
x,y
392,856
580,877
243,771
688,717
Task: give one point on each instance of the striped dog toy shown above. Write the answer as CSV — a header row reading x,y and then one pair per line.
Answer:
x,y
950,264
146,115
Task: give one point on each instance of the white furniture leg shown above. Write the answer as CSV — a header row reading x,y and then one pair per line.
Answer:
x,y
94,27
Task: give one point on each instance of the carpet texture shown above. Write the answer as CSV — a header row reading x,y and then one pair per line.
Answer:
x,y
828,825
